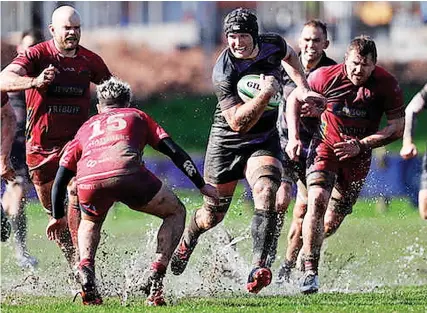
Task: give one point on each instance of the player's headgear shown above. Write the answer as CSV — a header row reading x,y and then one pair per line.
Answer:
x,y
241,21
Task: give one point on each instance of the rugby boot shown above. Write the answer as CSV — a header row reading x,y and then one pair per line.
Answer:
x,y
90,294
27,261
180,258
309,282
259,278
155,294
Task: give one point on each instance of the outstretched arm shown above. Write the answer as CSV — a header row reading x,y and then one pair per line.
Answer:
x,y
418,102
184,162
293,67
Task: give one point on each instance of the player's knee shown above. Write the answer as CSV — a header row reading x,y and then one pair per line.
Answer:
x,y
422,199
265,181
212,212
283,197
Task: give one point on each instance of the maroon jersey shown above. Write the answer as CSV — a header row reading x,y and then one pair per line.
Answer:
x,y
110,144
55,114
355,111
4,98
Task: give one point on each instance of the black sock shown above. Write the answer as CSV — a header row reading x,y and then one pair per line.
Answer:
x,y
263,228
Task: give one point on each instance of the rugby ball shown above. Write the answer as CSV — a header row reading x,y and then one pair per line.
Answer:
x,y
248,87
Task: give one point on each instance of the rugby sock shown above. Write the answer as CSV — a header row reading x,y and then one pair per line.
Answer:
x,y
311,263
263,228
87,262
289,264
193,233
19,226
158,267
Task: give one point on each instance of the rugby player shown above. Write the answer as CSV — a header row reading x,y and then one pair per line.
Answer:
x,y
105,155
13,200
359,92
56,75
409,150
243,141
313,42
8,129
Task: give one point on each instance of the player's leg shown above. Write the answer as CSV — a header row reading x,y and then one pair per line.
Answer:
x,y
14,205
422,194
165,205
319,185
283,198
295,234
222,169
73,215
208,216
5,226
95,200
65,243
263,173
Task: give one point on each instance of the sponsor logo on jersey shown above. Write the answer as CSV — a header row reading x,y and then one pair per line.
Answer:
x,y
189,168
63,109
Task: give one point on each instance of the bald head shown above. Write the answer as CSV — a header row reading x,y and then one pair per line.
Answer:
x,y
65,13
65,29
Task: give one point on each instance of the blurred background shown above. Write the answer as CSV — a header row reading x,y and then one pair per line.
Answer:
x,y
166,51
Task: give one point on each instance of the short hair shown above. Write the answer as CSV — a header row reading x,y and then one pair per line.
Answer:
x,y
363,45
318,24
35,33
114,92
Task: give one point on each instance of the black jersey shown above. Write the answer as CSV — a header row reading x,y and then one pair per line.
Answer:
x,y
308,124
227,72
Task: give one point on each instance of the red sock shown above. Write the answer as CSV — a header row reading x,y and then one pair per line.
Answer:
x,y
87,262
158,267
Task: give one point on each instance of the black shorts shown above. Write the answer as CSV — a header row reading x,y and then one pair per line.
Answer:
x,y
423,182
293,170
226,164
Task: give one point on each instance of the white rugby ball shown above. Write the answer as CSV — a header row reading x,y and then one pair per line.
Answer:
x,y
248,87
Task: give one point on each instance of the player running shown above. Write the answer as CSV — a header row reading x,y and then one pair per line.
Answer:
x,y
13,199
359,92
105,157
56,76
313,42
409,150
8,129
243,141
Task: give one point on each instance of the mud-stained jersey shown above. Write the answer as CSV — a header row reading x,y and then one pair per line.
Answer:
x,y
227,72
355,111
111,143
55,114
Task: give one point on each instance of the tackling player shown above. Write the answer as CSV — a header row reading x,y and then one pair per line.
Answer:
x,y
14,195
409,150
56,76
105,155
243,141
359,92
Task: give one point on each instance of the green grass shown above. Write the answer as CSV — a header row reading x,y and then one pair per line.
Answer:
x,y
375,263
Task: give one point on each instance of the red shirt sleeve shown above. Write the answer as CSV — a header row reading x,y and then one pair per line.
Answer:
x,y
393,99
155,131
100,70
71,155
316,80
27,59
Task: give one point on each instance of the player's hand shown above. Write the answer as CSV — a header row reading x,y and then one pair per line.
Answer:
x,y
314,104
347,149
6,170
408,151
55,228
269,84
46,77
310,110
293,149
210,191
